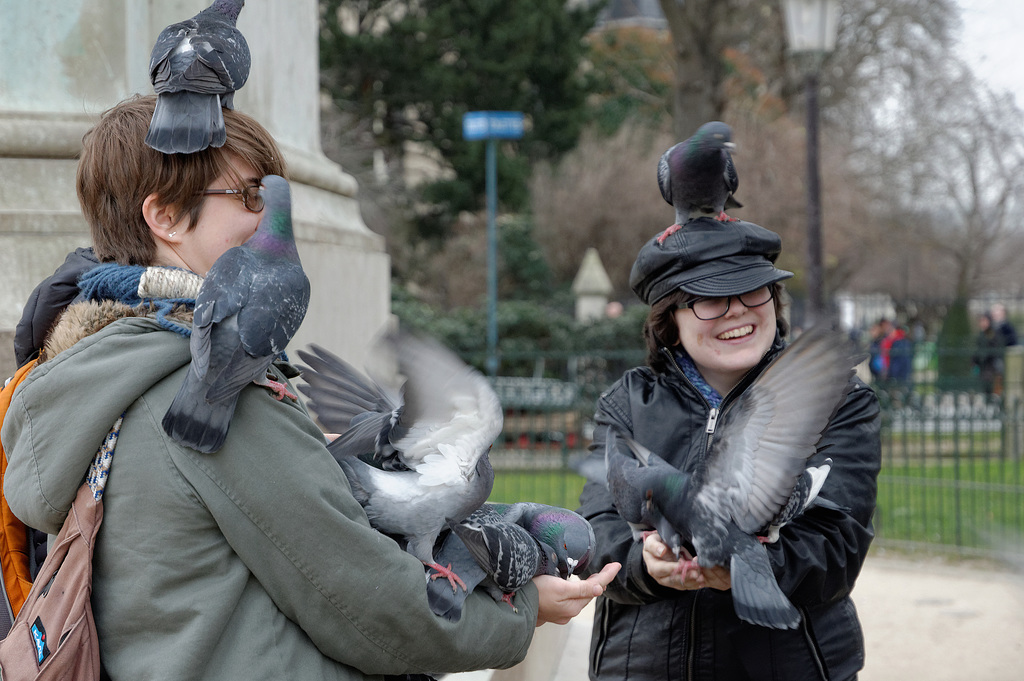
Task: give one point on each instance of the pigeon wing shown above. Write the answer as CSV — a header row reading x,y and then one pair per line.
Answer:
x,y
346,401
450,414
767,436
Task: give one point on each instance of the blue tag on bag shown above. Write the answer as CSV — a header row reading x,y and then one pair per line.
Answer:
x,y
39,639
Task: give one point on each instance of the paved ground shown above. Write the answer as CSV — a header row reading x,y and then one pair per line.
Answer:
x,y
924,620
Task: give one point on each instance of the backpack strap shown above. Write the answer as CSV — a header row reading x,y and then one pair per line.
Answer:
x,y
16,550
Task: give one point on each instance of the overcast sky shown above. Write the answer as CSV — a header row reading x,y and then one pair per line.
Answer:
x,y
992,43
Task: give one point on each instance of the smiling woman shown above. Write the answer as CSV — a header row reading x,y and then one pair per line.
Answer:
x,y
711,334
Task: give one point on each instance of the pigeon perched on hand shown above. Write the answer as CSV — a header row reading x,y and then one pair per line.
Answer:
x,y
418,460
251,303
196,66
758,456
499,557
697,175
504,546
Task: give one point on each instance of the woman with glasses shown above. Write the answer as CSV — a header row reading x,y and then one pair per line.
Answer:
x,y
715,323
256,561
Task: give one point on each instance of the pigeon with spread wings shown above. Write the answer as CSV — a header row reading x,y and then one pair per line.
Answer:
x,y
759,456
415,460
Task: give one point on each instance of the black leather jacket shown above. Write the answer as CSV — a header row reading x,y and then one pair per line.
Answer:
x,y
643,631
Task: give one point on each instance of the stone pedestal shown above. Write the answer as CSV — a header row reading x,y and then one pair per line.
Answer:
x,y
65,61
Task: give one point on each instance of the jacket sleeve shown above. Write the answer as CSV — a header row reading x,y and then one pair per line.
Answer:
x,y
615,543
286,508
820,553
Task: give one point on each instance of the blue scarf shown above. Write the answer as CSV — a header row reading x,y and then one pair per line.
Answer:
x,y
690,371
111,281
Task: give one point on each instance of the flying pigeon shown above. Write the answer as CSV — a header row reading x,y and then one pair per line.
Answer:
x,y
753,470
196,66
697,175
503,546
250,305
418,460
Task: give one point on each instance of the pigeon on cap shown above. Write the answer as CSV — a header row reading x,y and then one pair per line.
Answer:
x,y
707,258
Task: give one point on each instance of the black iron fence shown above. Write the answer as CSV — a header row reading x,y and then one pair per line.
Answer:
x,y
952,476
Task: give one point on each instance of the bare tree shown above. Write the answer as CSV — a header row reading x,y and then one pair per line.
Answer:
x,y
954,164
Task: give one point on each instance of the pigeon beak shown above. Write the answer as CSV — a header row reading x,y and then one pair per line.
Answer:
x,y
731,146
572,565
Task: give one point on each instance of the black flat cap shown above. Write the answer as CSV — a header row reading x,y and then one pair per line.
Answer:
x,y
706,257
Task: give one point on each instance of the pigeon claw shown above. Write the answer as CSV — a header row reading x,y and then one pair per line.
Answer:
x,y
672,229
722,217
507,598
448,574
279,389
688,568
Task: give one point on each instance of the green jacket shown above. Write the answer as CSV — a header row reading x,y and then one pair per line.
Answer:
x,y
251,563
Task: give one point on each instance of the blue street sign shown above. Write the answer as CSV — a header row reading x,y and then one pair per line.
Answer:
x,y
479,125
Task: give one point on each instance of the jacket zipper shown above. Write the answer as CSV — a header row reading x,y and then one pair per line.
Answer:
x,y
712,421
812,645
691,643
709,429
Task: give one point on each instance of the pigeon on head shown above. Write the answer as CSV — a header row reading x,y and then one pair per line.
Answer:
x,y
697,176
195,67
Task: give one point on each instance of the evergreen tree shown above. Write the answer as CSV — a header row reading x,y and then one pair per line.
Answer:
x,y
417,66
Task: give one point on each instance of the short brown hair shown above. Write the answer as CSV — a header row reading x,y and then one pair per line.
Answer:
x,y
661,331
117,171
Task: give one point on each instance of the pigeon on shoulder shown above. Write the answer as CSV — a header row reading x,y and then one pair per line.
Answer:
x,y
195,67
697,176
251,303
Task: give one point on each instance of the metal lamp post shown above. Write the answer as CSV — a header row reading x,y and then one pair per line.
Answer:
x,y
811,30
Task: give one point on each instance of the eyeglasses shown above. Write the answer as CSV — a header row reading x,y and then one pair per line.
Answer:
x,y
707,309
251,197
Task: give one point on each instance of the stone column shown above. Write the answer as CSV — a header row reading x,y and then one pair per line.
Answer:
x,y
65,61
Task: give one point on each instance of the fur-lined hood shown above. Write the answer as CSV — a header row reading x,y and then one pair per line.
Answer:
x,y
86,318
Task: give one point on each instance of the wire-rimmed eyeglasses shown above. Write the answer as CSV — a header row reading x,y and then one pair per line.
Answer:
x,y
251,197
707,309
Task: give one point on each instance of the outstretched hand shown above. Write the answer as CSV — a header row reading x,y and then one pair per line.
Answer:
x,y
683,575
561,600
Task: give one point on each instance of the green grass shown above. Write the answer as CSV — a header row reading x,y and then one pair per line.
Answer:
x,y
972,504
553,487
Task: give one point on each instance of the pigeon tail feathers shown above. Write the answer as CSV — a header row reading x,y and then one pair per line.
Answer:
x,y
185,122
756,595
196,423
